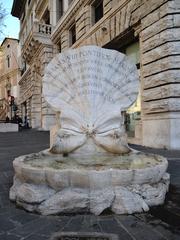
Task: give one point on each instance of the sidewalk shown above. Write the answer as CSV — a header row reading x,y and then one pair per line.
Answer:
x,y
161,223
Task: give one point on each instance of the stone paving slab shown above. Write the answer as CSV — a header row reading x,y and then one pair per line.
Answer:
x,y
83,236
161,223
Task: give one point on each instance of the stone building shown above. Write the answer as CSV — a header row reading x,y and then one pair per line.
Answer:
x,y
147,31
36,52
151,27
9,73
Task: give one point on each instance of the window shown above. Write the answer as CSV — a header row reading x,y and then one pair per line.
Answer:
x,y
31,19
72,35
24,67
97,11
59,8
46,17
8,46
59,46
8,92
8,61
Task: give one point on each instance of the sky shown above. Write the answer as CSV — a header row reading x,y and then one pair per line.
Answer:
x,y
12,23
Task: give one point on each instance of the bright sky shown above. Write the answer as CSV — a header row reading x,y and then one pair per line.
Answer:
x,y
12,23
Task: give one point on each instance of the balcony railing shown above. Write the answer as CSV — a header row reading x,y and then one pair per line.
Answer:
x,y
42,28
39,31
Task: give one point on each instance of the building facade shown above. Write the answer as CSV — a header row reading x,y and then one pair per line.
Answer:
x,y
147,31
9,74
155,27
36,51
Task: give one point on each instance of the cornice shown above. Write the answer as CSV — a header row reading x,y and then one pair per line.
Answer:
x,y
18,7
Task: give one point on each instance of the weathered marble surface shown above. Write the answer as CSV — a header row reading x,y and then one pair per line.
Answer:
x,y
90,86
51,184
89,166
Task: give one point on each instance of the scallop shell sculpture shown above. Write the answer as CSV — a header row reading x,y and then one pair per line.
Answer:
x,y
90,86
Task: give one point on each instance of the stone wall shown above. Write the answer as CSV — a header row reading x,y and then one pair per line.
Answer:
x,y
157,25
160,40
40,115
47,114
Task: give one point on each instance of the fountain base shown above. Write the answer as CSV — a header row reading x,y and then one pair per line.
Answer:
x,y
52,184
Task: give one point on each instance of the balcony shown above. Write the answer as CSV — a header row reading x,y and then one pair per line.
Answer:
x,y
40,34
43,29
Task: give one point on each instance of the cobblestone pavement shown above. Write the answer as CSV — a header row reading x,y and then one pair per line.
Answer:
x,y
161,223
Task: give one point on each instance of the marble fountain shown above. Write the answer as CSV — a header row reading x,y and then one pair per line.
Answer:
x,y
89,166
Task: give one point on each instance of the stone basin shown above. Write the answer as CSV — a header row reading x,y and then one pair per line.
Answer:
x,y
52,183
